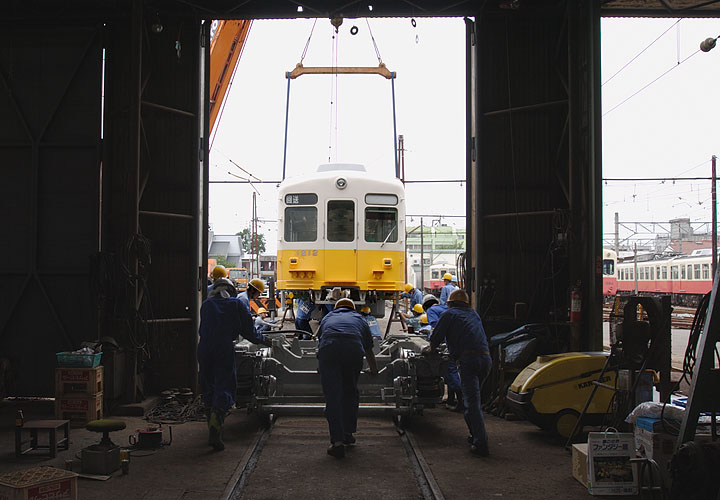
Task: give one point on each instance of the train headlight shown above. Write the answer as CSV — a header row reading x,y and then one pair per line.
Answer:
x,y
341,183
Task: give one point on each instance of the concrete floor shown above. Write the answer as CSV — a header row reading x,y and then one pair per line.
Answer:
x,y
525,463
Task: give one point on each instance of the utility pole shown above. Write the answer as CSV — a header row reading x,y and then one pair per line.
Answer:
x,y
714,219
401,148
422,256
617,235
635,269
254,247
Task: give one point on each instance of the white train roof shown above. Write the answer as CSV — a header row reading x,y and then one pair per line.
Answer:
x,y
358,181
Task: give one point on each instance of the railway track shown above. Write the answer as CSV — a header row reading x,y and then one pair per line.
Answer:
x,y
682,317
238,485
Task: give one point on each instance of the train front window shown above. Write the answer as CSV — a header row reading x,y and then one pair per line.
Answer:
x,y
608,267
300,224
381,224
341,220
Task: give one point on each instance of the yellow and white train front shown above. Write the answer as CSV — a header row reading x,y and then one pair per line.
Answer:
x,y
341,230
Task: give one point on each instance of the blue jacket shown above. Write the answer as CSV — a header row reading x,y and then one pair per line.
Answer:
x,y
305,309
434,313
373,324
243,297
461,328
445,292
346,325
415,298
221,321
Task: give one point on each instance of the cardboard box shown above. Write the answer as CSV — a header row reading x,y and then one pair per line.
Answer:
x,y
88,381
579,463
39,483
79,410
610,471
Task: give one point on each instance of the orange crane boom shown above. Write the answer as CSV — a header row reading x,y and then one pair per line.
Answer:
x,y
225,50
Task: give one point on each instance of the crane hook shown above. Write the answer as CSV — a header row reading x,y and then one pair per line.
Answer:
x,y
337,22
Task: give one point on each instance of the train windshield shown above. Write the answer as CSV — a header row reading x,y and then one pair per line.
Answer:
x,y
300,224
381,224
341,220
608,267
238,274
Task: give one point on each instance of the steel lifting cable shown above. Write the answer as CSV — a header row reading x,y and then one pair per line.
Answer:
x,y
307,44
372,37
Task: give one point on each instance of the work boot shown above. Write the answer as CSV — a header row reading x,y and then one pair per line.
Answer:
x,y
450,401
215,425
460,406
480,450
349,439
336,451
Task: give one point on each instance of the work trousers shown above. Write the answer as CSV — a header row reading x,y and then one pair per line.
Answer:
x,y
340,363
217,376
474,369
453,377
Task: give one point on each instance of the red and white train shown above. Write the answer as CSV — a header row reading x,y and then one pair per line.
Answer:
x,y
686,278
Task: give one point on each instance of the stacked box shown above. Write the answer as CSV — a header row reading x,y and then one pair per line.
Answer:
x,y
39,483
579,463
80,381
79,409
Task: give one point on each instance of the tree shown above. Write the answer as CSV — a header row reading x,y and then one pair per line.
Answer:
x,y
246,240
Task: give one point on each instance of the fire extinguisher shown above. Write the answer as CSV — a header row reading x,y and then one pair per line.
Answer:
x,y
576,304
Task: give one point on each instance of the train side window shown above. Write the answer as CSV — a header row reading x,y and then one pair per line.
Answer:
x,y
341,220
381,224
689,272
300,224
674,272
652,274
697,271
664,272
682,272
706,271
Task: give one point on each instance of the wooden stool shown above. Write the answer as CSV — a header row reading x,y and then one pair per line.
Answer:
x,y
51,426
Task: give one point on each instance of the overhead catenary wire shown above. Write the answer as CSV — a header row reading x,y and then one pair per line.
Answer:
x,y
640,53
647,85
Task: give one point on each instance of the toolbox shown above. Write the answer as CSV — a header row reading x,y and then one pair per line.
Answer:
x,y
39,483
79,409
88,381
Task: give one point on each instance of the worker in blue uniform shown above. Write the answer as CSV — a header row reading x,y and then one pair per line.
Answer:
x,y
262,323
413,294
372,322
303,316
461,328
222,319
255,288
425,328
447,289
343,338
454,399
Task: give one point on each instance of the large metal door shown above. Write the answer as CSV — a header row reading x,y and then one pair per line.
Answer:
x,y
50,104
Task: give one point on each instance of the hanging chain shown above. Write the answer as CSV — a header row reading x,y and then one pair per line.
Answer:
x,y
333,100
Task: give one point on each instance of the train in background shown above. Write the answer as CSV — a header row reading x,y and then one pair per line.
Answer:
x,y
436,272
342,231
686,278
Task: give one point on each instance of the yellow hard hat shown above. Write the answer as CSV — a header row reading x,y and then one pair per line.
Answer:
x,y
345,302
365,309
418,308
423,319
447,276
257,284
408,287
219,272
262,310
290,295
459,295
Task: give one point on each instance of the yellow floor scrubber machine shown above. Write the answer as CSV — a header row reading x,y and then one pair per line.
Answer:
x,y
552,391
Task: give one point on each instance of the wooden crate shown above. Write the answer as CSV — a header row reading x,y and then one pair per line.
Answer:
x,y
88,381
39,483
79,410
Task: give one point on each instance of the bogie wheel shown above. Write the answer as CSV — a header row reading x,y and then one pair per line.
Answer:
x,y
564,422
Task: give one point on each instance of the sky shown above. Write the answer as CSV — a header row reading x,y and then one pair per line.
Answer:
x,y
658,104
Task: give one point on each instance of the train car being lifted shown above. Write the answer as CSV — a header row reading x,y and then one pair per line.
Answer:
x,y
342,233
